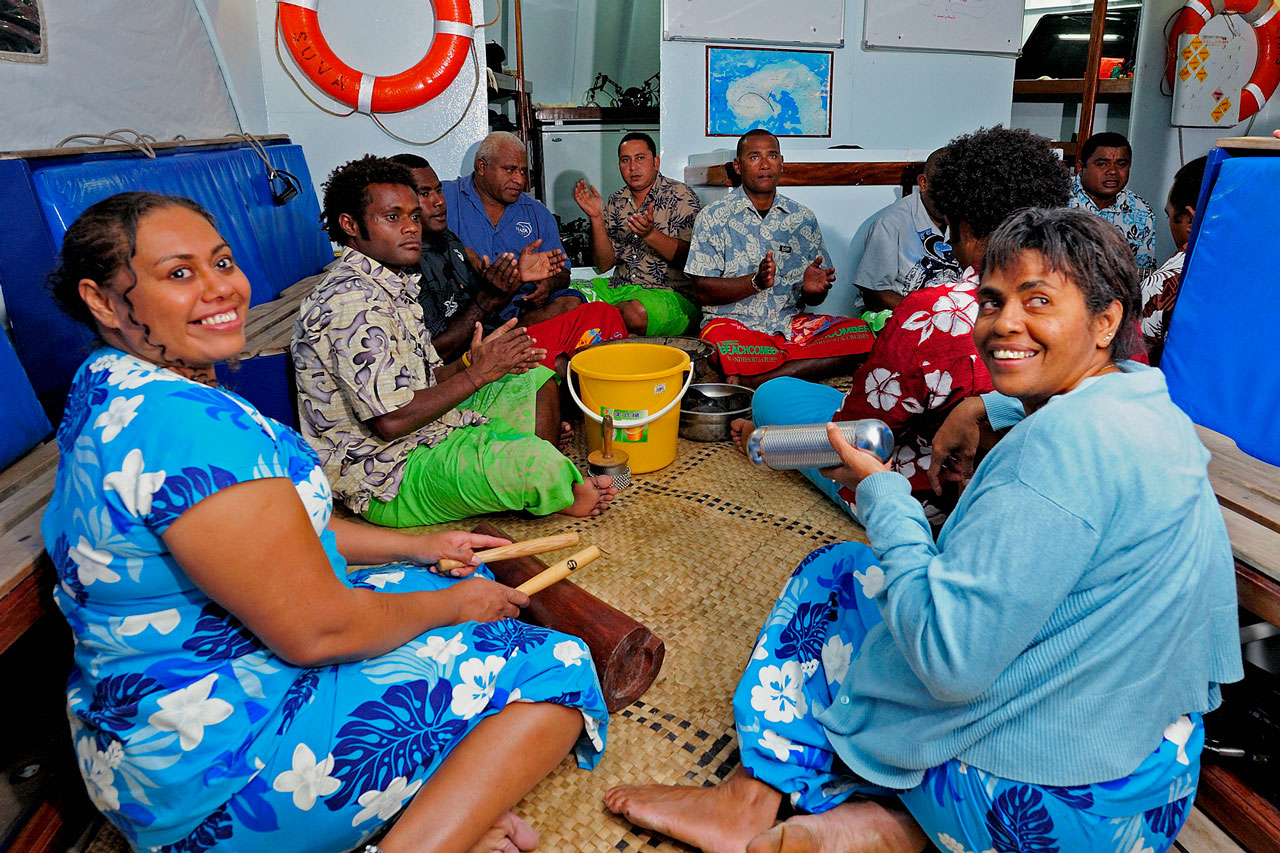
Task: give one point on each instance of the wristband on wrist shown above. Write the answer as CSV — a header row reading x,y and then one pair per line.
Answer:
x,y
756,283
466,358
467,373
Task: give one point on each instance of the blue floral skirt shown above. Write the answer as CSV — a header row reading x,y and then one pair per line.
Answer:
x,y
795,671
359,739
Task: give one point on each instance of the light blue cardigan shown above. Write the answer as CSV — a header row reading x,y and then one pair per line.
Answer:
x,y
1080,598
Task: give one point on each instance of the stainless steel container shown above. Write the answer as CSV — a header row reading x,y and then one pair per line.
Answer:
x,y
709,408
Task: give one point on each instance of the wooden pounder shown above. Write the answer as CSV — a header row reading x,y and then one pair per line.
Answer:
x,y
627,655
516,549
559,571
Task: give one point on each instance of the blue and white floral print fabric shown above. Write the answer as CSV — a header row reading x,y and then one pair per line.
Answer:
x,y
189,731
800,659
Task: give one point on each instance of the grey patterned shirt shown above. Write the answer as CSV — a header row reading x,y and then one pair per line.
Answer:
x,y
360,350
730,239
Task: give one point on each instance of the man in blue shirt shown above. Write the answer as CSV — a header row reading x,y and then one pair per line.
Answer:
x,y
492,215
1102,173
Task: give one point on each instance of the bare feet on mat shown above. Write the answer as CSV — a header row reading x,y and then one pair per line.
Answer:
x,y
591,496
566,436
510,834
741,429
856,827
716,820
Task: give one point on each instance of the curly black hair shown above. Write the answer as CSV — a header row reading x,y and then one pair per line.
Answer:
x,y
985,176
347,191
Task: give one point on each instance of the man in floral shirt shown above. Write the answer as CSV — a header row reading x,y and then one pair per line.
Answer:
x,y
756,259
924,360
1102,172
406,439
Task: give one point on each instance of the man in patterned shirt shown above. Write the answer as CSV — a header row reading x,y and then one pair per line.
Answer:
x,y
924,360
1102,172
642,233
755,258
404,438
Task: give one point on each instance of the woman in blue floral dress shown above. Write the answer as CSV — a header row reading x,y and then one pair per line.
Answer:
x,y
1034,680
234,687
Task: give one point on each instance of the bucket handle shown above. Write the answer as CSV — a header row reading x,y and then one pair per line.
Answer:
x,y
626,423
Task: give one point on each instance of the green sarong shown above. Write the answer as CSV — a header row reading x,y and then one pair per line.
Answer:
x,y
494,467
670,312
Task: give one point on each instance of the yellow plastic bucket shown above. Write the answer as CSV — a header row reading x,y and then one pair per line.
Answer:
x,y
640,385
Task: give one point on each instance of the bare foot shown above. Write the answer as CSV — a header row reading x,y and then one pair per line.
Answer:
x,y
566,436
511,834
857,827
715,820
591,496
741,429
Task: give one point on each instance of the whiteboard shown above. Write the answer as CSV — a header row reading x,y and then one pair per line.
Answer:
x,y
807,22
977,26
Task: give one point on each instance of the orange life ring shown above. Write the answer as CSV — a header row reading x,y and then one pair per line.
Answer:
x,y
367,93
1264,17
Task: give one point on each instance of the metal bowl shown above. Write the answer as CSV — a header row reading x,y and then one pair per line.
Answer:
x,y
709,408
699,351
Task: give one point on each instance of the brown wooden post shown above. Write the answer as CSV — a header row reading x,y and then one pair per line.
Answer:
x,y
1089,98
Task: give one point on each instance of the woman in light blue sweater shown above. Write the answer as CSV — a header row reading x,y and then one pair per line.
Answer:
x,y
1033,680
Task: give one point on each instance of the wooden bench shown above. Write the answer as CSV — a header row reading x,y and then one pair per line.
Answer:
x,y
1249,491
27,575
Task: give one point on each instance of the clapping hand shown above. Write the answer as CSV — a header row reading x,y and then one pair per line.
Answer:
x,y
537,266
588,198
763,279
502,274
507,349
856,464
641,223
817,281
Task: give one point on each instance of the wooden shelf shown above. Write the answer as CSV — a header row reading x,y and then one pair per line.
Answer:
x,y
597,115
508,86
1253,821
901,174
1071,86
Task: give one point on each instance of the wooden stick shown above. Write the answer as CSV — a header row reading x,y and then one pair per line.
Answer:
x,y
559,571
527,548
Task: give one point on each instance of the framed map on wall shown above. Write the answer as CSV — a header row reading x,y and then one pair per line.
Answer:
x,y
786,92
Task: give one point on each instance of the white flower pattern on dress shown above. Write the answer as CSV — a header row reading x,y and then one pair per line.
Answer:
x,y
163,621
939,384
442,650
476,680
188,710
883,389
384,804
836,657
92,565
308,779
99,772
780,746
953,314
780,693
571,653
135,486
118,415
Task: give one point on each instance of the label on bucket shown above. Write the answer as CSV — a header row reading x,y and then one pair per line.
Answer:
x,y
635,435
659,388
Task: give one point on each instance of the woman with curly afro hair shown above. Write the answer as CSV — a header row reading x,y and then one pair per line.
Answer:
x,y
924,361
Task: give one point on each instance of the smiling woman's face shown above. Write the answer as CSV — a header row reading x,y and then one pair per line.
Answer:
x,y
1035,333
187,308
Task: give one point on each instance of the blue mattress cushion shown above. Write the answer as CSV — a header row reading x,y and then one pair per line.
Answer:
x,y
1220,355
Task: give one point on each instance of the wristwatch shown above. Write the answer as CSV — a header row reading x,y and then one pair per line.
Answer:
x,y
371,848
